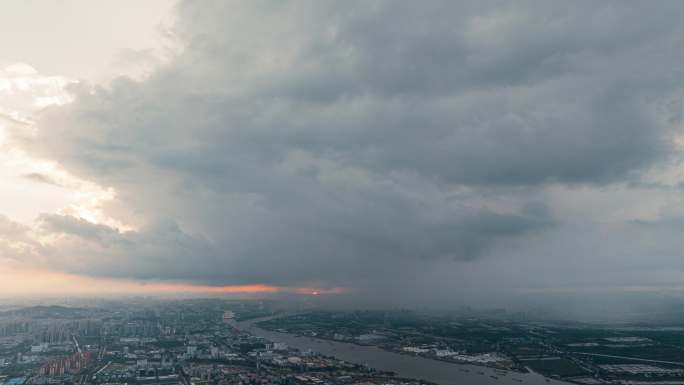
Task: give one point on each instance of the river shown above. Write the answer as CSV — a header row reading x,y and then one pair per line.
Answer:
x,y
408,366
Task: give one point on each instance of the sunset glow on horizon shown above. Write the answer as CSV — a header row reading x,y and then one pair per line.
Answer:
x,y
52,283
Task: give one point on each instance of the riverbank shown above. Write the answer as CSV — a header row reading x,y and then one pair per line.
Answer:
x,y
351,342
405,366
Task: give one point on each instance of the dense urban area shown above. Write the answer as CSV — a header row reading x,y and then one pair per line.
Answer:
x,y
211,342
169,342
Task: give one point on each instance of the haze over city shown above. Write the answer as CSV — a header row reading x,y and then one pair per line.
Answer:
x,y
380,153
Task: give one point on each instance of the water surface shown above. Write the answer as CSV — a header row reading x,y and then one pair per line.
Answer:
x,y
408,366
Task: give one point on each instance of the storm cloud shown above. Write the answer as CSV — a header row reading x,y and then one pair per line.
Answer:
x,y
347,143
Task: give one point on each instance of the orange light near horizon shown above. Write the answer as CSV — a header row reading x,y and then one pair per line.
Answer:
x,y
255,288
42,282
173,287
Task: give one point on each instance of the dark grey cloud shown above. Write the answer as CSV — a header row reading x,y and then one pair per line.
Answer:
x,y
42,178
330,80
18,244
64,224
345,142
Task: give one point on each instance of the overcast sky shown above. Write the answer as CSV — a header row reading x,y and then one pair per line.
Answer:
x,y
441,150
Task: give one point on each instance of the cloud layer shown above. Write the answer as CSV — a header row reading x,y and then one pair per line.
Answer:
x,y
359,144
